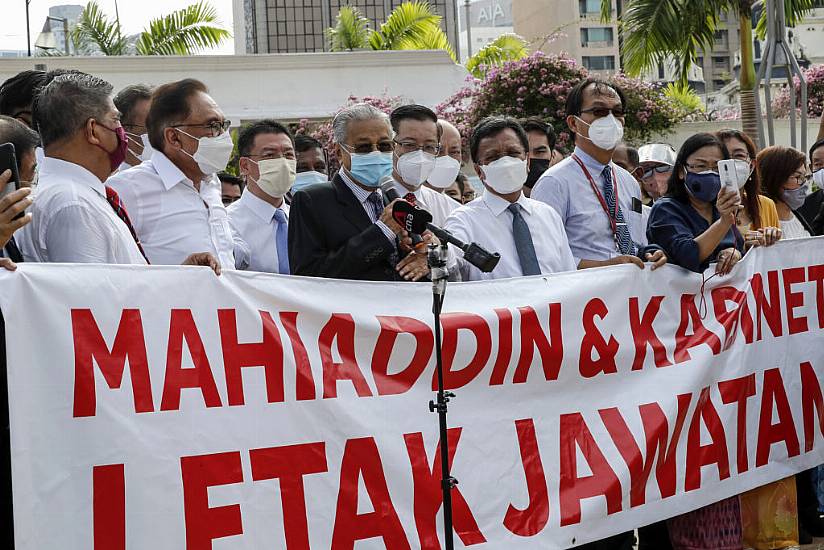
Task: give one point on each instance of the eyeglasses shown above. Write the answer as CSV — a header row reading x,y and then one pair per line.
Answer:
x,y
701,167
289,154
802,179
663,169
411,146
601,112
366,148
215,127
742,156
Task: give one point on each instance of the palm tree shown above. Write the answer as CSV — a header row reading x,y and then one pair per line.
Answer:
x,y
507,47
183,32
678,31
351,31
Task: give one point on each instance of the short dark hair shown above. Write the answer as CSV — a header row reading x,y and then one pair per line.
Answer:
x,y
305,143
226,177
65,105
414,112
675,185
575,99
170,104
775,165
816,145
492,126
535,124
127,98
247,134
18,92
18,134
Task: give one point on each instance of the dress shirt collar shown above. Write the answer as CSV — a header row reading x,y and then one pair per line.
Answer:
x,y
403,191
258,206
360,193
54,170
592,165
169,174
498,204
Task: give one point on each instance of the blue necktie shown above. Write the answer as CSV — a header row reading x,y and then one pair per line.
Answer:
x,y
376,202
523,242
622,239
282,241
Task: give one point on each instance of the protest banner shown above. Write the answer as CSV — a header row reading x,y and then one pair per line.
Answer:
x,y
167,408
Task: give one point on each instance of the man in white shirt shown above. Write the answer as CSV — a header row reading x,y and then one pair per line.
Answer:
x,y
450,158
133,103
260,217
528,234
416,146
174,198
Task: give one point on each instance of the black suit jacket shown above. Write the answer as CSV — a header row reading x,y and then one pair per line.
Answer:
x,y
330,235
811,213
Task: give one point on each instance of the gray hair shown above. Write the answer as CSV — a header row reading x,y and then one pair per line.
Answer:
x,y
127,99
358,111
65,105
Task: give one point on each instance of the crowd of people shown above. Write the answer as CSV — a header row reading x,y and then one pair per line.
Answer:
x,y
139,178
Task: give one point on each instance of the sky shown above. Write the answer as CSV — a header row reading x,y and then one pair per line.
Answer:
x,y
134,16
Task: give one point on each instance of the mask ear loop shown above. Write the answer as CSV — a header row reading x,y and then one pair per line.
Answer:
x,y
702,303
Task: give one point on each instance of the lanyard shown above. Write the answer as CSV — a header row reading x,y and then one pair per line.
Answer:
x,y
613,217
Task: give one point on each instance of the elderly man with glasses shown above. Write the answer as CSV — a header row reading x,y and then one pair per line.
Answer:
x,y
656,161
345,229
174,199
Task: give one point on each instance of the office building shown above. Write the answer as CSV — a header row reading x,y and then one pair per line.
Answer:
x,y
488,19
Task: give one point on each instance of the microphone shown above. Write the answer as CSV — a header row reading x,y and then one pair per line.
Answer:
x,y
473,252
387,185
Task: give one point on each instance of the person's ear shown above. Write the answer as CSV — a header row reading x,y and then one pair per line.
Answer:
x,y
480,172
89,130
343,156
243,165
172,137
572,124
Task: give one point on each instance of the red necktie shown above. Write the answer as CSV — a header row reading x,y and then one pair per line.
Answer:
x,y
410,198
120,210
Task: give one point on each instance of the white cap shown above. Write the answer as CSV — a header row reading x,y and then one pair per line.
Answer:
x,y
659,153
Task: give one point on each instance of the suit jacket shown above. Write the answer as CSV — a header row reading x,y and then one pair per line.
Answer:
x,y
811,213
331,235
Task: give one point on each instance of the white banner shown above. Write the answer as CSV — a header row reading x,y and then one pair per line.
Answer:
x,y
167,408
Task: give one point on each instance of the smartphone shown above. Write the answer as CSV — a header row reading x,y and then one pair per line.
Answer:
x,y
8,161
729,177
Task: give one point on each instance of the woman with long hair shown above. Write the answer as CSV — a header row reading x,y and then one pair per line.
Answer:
x,y
695,225
785,178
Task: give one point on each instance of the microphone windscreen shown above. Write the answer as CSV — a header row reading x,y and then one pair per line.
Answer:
x,y
387,185
411,218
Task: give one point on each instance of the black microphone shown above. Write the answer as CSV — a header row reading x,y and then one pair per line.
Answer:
x,y
387,185
473,252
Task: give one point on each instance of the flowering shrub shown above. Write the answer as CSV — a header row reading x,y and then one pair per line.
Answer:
x,y
815,94
538,85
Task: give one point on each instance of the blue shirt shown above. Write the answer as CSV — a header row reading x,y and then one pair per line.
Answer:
x,y
673,225
566,188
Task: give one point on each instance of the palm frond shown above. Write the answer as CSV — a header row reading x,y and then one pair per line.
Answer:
x,y
507,47
433,39
94,28
351,30
794,11
183,32
409,21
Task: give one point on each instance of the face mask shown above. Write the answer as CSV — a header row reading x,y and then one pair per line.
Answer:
x,y
276,176
606,132
444,173
213,153
415,167
704,186
795,197
369,168
305,179
117,156
505,175
537,167
147,148
818,178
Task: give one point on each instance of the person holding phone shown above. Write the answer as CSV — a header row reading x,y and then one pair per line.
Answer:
x,y
11,206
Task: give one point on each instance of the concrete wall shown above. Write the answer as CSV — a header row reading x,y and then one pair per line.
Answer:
x,y
283,86
782,132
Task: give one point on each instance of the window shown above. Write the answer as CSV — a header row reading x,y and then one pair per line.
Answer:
x,y
589,7
660,71
721,38
700,62
596,37
599,62
720,62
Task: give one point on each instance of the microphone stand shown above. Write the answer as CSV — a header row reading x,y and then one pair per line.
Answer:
x,y
436,258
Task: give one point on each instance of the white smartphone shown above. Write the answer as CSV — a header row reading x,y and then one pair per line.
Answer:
x,y
729,177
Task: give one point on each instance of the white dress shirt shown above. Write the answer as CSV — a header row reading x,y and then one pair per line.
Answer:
x,y
171,217
566,188
253,222
437,204
72,222
487,222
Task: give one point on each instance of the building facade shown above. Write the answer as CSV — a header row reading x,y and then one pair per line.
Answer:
x,y
488,19
298,26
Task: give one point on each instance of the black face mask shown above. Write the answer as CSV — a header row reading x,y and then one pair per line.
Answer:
x,y
537,167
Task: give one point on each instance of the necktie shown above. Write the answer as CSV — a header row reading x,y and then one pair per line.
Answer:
x,y
523,242
622,238
120,210
410,198
282,241
376,202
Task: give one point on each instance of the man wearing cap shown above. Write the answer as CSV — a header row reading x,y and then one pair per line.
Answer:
x,y
657,160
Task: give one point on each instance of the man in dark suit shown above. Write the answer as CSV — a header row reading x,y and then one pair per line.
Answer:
x,y
343,229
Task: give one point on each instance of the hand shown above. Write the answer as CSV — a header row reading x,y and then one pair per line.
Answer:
x,y
727,258
626,259
728,204
413,267
10,206
771,235
389,220
658,258
205,259
7,264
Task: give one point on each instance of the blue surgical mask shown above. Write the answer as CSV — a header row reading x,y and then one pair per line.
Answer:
x,y
369,168
305,179
795,197
704,186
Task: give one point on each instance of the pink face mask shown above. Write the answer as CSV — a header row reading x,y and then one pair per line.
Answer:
x,y
117,156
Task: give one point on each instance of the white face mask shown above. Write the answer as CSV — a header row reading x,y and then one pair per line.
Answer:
x,y
147,148
818,178
444,173
605,133
276,176
505,175
213,153
415,167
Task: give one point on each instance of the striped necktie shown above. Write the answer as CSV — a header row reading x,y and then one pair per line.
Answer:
x,y
622,238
